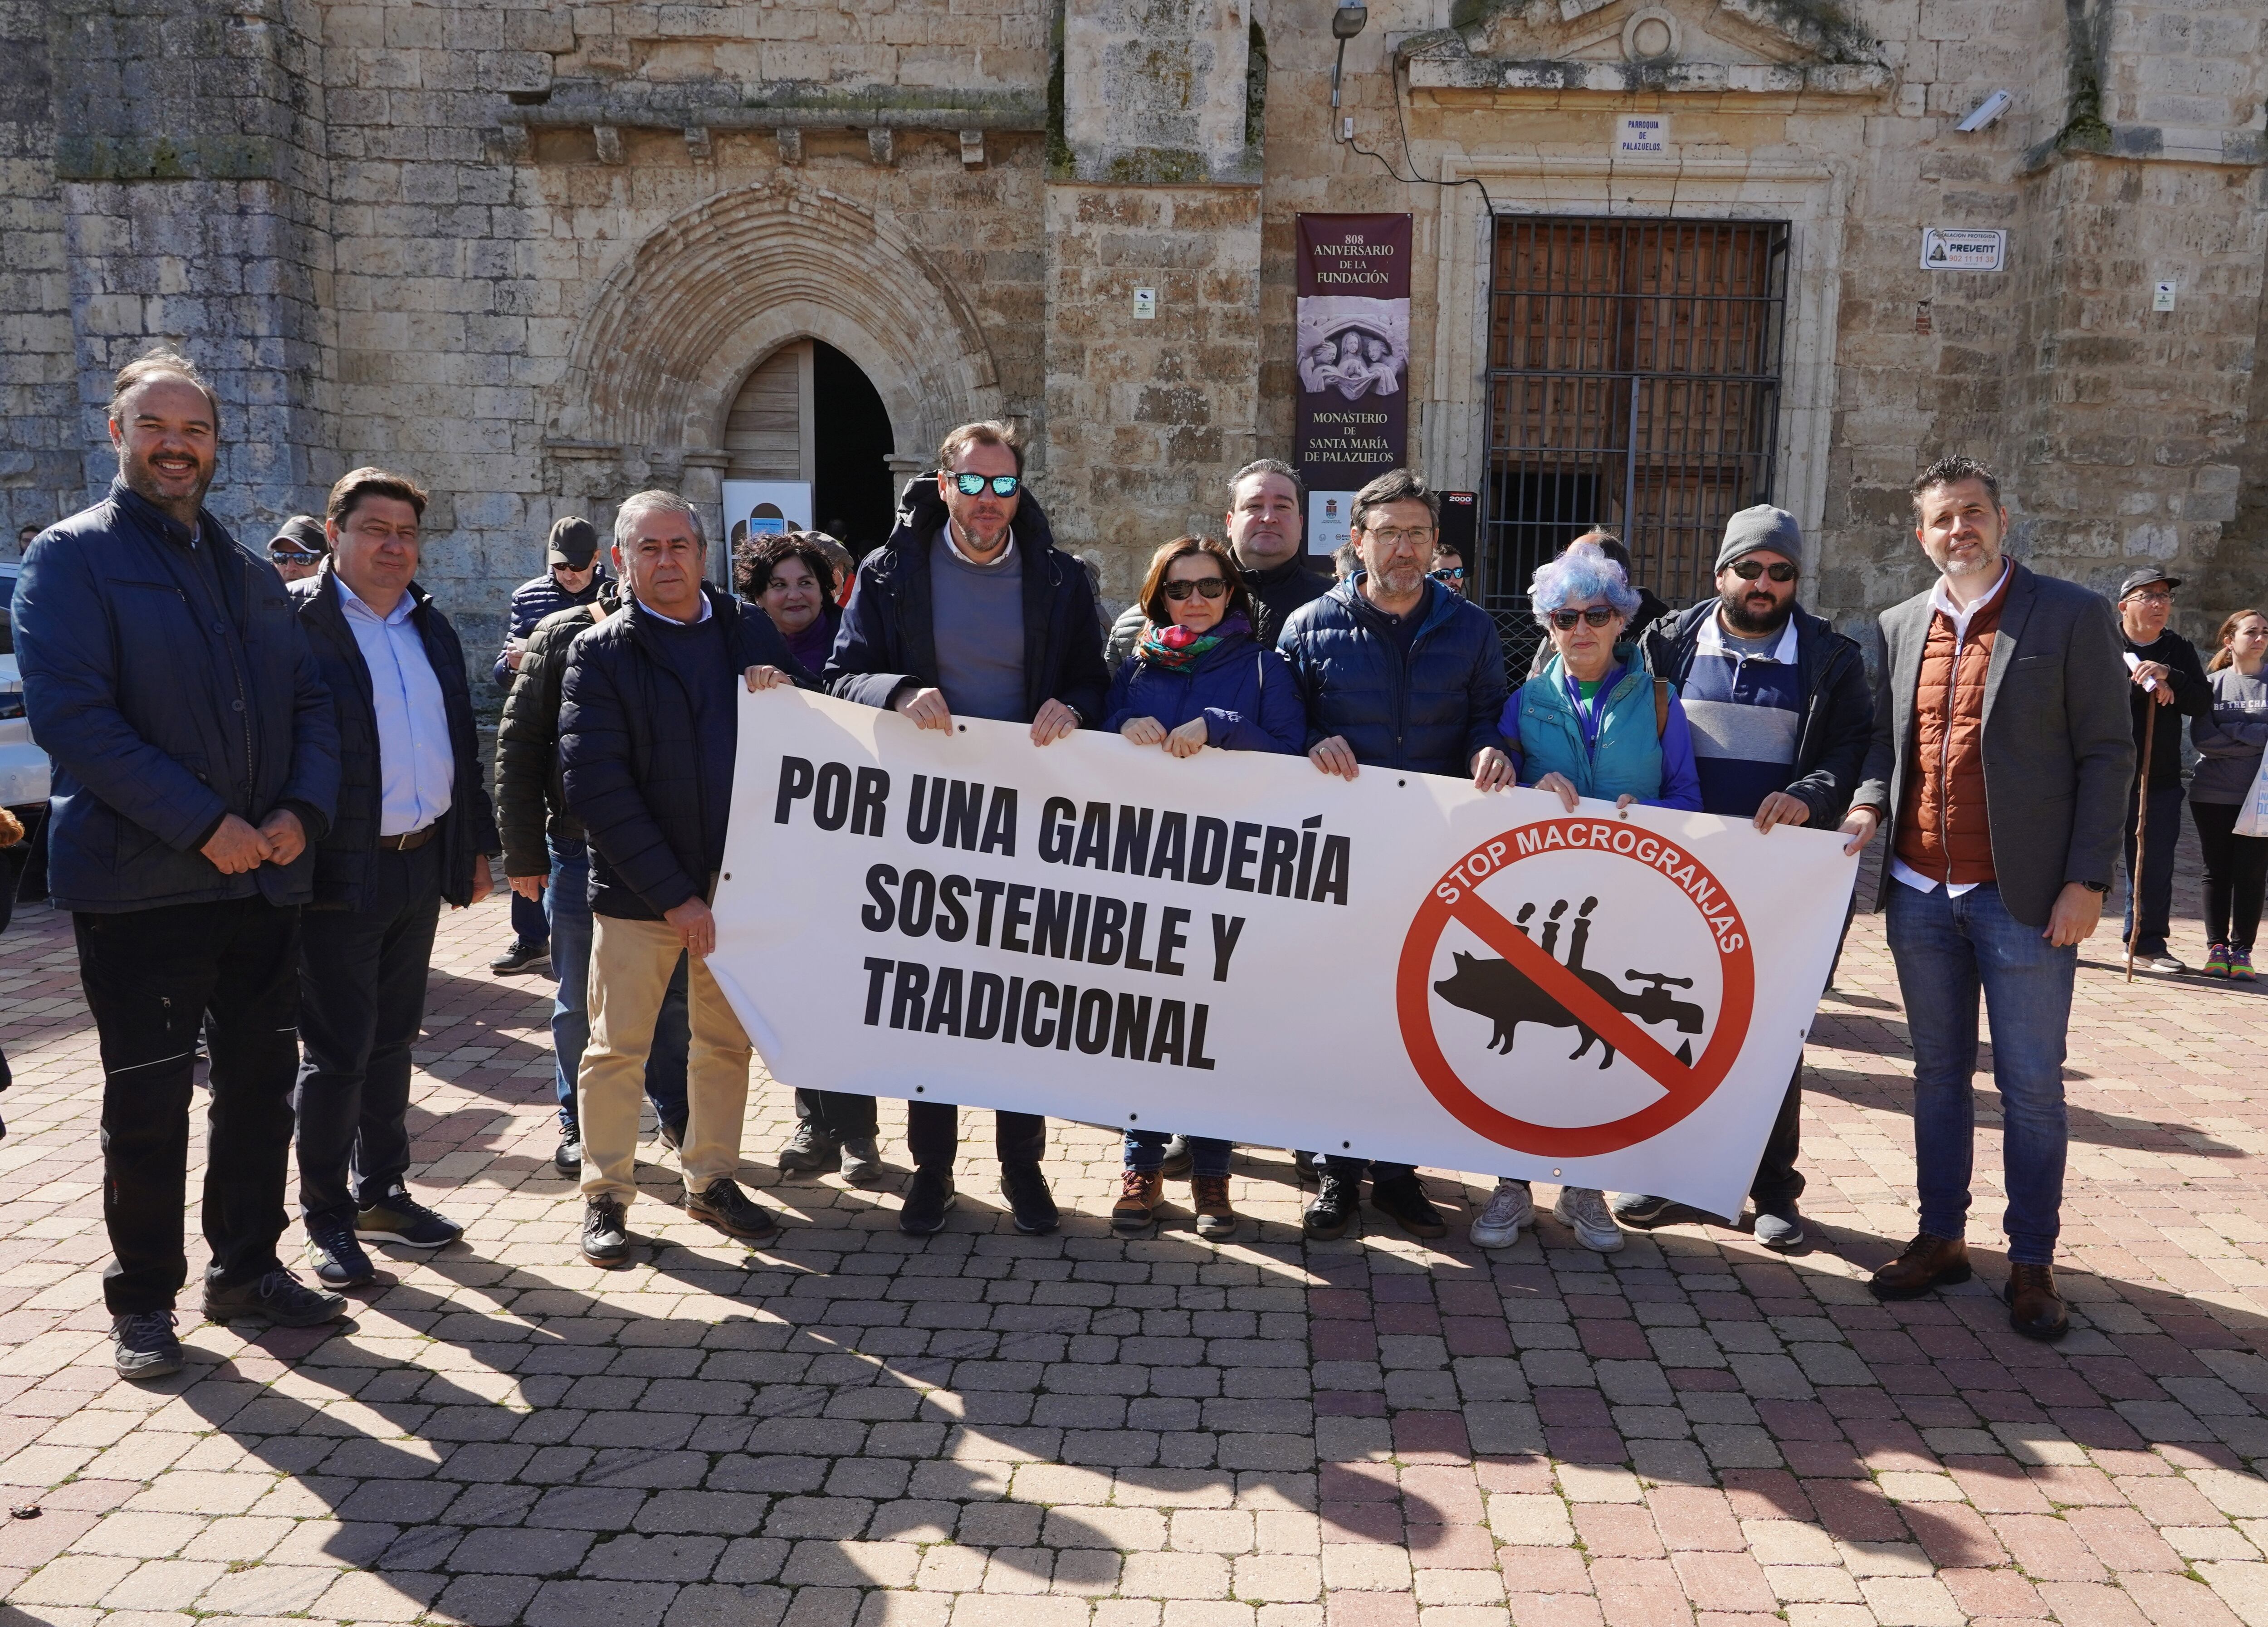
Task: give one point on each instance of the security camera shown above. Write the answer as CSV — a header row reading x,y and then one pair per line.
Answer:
x,y
1986,113
1349,20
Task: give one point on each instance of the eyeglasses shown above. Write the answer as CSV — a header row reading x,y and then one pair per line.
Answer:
x,y
291,556
1212,587
1597,616
2149,598
1392,539
1780,570
1449,573
1003,485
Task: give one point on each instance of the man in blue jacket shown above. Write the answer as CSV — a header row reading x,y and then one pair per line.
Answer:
x,y
1400,675
413,827
970,608
1782,718
571,579
196,758
649,732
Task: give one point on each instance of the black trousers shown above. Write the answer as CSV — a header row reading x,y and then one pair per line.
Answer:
x,y
838,1112
1778,1181
2235,875
1349,1168
150,977
361,996
2157,902
933,1135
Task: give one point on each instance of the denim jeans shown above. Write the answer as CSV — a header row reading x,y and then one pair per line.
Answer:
x,y
567,902
2159,842
1947,950
531,923
1145,1151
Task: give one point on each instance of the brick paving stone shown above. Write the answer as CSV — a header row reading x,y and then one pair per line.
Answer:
x,y
854,1429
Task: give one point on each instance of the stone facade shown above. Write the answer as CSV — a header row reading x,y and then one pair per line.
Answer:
x,y
529,253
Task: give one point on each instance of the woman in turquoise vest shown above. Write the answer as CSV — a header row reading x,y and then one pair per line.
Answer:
x,y
1591,723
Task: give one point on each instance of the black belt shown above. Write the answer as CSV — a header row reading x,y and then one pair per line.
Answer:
x,y
410,841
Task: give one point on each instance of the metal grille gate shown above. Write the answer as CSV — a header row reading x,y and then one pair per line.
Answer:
x,y
1633,384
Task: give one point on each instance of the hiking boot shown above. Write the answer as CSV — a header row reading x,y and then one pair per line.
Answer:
x,y
143,1345
1140,1191
567,1158
2216,960
1780,1228
1030,1200
927,1199
811,1151
1179,1159
397,1217
1217,1221
2035,1308
280,1298
1510,1208
862,1160
336,1258
605,1233
721,1204
522,956
1402,1199
1584,1211
1927,1263
1334,1208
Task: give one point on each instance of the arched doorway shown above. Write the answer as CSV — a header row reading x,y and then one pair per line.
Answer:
x,y
808,414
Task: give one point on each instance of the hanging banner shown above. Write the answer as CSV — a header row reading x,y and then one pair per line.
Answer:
x,y
1353,360
1236,944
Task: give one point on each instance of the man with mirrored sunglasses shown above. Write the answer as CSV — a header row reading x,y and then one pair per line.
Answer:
x,y
1781,717
297,547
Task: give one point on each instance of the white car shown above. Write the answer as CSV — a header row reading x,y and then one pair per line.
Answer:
x,y
23,770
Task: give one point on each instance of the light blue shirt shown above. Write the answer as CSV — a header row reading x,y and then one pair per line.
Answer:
x,y
416,765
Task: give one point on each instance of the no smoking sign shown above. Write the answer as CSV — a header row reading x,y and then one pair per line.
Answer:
x,y
1528,985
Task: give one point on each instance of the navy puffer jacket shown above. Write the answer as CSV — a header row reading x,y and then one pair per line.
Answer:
x,y
167,705
630,756
1248,695
1427,714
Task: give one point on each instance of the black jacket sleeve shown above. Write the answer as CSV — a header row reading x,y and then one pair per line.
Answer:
x,y
595,744
527,753
1847,728
1083,683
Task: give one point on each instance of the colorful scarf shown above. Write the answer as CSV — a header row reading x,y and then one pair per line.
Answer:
x,y
1176,648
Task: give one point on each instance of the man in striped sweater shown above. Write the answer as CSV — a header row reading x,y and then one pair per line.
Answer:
x,y
1782,717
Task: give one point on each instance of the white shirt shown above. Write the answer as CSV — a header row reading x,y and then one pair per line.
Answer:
x,y
707,610
416,764
1942,602
1007,553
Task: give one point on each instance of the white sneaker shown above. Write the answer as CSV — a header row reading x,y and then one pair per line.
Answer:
x,y
1583,1208
1509,1209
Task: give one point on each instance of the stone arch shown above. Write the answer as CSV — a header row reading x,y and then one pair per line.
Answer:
x,y
678,324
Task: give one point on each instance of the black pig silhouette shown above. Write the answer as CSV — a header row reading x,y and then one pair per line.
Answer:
x,y
1508,996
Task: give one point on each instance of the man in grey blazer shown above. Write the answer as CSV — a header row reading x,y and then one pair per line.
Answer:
x,y
2005,691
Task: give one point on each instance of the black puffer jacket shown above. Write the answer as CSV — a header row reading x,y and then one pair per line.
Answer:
x,y
631,760
468,830
531,799
888,637
1428,713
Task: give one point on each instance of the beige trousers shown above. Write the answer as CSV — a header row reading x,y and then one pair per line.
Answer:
x,y
631,962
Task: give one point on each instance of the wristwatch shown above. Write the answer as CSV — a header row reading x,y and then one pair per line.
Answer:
x,y
2097,887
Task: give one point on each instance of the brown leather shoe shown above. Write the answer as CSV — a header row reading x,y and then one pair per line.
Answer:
x,y
1928,1263
1209,1196
2035,1308
1139,1194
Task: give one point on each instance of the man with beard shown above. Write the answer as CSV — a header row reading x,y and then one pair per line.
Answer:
x,y
1782,718
1264,531
197,766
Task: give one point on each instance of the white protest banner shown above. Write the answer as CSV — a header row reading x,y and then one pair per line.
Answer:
x,y
1235,944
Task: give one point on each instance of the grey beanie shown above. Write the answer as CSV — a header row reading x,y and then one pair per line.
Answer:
x,y
1761,528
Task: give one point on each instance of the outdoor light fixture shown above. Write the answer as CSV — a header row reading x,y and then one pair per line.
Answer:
x,y
1985,113
1347,22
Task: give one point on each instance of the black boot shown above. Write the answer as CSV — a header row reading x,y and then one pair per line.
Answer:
x,y
1328,1216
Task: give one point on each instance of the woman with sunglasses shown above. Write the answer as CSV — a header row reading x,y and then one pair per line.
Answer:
x,y
1592,724
1197,678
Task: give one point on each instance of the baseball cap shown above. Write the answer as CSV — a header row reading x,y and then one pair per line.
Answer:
x,y
2142,576
573,542
303,532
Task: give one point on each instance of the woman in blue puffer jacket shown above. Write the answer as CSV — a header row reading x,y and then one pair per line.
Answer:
x,y
1594,723
1196,679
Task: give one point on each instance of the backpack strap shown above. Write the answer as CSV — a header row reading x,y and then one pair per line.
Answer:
x,y
1661,707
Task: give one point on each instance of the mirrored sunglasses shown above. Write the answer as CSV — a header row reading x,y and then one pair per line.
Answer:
x,y
1780,570
1597,616
1003,485
291,556
1212,587
1449,573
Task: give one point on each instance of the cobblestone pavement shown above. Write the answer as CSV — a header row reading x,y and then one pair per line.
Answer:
x,y
855,1430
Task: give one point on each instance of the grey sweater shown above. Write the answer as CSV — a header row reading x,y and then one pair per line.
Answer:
x,y
2230,738
979,621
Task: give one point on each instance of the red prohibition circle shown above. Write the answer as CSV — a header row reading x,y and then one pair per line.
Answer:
x,y
1453,898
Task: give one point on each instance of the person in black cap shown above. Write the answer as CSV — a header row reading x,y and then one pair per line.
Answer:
x,y
297,547
571,577
2167,674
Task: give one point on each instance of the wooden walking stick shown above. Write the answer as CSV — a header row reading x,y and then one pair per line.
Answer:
x,y
2141,830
